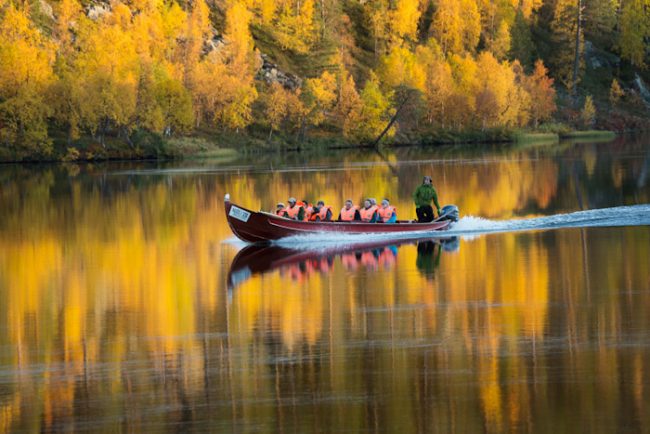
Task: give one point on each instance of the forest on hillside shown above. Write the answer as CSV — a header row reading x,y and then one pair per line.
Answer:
x,y
78,77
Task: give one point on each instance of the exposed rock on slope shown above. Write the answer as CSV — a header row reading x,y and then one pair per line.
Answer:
x,y
270,73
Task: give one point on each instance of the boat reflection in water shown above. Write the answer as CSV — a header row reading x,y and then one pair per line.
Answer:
x,y
301,263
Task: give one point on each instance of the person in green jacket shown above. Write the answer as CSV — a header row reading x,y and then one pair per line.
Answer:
x,y
422,197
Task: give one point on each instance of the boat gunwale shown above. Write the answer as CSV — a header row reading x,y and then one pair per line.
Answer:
x,y
338,222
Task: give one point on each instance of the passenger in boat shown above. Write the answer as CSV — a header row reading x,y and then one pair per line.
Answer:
x,y
349,212
321,213
422,197
308,207
368,213
387,213
294,211
280,210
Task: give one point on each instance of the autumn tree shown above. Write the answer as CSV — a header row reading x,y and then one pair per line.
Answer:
x,y
401,66
319,97
461,103
522,47
527,7
439,88
295,29
350,108
499,44
296,110
497,98
496,20
616,92
438,82
568,39
222,98
542,94
107,71
198,29
588,113
520,110
349,104
164,104
634,31
404,20
224,87
457,25
26,59
376,111
276,107
210,78
377,16
600,19
266,10
68,12
283,108
65,98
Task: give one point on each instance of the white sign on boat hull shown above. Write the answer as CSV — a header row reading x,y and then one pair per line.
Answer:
x,y
239,214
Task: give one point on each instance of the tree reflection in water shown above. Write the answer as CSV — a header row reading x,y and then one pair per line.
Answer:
x,y
114,314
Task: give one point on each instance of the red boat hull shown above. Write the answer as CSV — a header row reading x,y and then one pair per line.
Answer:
x,y
259,227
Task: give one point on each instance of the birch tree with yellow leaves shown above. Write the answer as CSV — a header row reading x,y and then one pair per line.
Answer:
x,y
26,59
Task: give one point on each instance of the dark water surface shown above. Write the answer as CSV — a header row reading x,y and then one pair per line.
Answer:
x,y
127,306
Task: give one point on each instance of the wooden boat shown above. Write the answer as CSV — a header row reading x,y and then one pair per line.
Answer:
x,y
262,227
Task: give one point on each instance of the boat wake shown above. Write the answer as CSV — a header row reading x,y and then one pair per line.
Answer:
x,y
636,215
470,226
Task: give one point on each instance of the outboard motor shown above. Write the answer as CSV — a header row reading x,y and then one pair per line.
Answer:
x,y
449,212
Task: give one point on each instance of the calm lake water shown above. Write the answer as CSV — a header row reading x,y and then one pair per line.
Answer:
x,y
126,304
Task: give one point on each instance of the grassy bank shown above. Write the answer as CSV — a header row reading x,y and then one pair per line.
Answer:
x,y
227,146
533,137
599,135
140,147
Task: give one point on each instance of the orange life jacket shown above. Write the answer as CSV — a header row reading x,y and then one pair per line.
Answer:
x,y
309,210
366,214
292,212
347,215
386,213
321,215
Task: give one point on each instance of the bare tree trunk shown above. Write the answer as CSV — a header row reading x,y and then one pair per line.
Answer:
x,y
322,17
576,59
390,124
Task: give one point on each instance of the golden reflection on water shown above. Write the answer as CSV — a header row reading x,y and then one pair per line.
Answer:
x,y
117,314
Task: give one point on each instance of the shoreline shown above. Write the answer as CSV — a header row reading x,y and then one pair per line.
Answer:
x,y
200,148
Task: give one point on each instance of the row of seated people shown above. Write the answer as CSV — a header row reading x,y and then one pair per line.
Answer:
x,y
369,213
